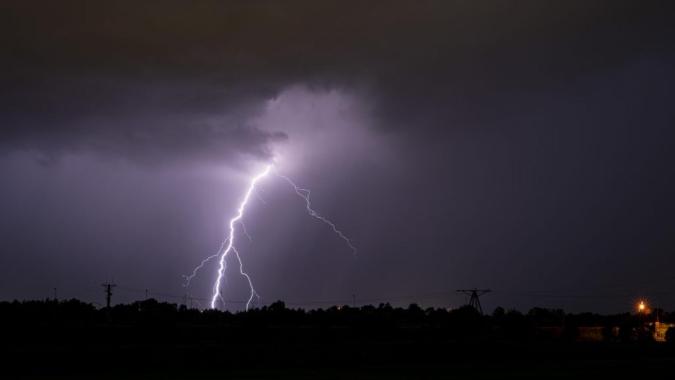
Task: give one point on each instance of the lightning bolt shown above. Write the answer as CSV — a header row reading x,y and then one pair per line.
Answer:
x,y
188,278
228,246
243,229
248,278
305,195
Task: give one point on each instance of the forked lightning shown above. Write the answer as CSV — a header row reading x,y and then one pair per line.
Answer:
x,y
228,244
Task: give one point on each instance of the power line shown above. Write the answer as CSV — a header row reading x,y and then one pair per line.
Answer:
x,y
438,296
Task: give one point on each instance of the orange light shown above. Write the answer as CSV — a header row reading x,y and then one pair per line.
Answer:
x,y
642,307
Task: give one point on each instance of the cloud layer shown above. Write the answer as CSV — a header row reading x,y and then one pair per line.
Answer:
x,y
169,79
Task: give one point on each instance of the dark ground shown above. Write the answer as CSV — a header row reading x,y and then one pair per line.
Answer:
x,y
333,353
152,340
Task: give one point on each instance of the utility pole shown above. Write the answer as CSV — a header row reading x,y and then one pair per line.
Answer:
x,y
146,294
108,293
474,299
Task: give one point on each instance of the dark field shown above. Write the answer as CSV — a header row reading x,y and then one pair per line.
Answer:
x,y
111,353
278,343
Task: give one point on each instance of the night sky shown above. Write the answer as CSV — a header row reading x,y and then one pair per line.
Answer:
x,y
522,146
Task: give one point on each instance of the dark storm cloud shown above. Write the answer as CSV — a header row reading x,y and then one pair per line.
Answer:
x,y
141,121
153,76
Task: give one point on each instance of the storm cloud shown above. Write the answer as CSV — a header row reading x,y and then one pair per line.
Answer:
x,y
169,78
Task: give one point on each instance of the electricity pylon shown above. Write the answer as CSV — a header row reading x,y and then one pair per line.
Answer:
x,y
474,297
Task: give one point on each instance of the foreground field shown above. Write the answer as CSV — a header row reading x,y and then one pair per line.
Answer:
x,y
310,353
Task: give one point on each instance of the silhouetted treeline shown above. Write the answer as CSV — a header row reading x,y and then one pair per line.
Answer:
x,y
462,323
151,339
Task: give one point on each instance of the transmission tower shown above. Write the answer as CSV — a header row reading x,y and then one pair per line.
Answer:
x,y
474,297
108,293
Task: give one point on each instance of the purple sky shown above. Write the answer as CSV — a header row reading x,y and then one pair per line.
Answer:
x,y
524,147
